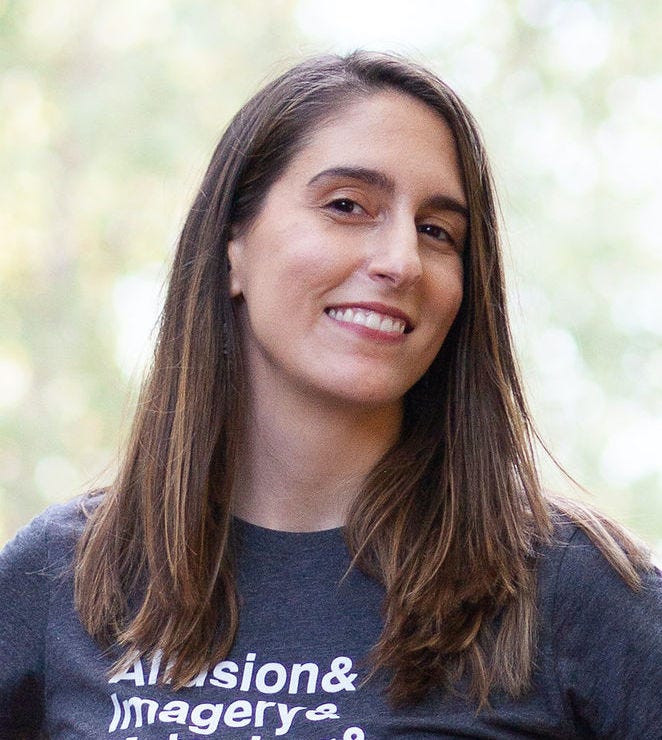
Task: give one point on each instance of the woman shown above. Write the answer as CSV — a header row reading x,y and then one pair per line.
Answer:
x,y
328,521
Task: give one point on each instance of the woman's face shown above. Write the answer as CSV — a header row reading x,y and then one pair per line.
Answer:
x,y
350,277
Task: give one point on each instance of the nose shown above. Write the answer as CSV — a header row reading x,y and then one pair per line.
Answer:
x,y
395,259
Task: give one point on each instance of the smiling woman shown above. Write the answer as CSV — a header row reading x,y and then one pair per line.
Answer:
x,y
328,521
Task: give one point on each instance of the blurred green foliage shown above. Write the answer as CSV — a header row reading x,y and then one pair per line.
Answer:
x,y
110,111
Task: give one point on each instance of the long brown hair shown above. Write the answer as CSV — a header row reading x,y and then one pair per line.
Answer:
x,y
449,520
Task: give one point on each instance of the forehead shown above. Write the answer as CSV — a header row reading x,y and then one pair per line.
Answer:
x,y
387,131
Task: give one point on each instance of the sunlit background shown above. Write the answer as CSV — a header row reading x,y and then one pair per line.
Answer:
x,y
110,110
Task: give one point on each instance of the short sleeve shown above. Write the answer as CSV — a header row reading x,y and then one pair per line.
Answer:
x,y
24,599
608,646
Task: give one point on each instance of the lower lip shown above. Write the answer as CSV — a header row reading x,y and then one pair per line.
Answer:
x,y
363,331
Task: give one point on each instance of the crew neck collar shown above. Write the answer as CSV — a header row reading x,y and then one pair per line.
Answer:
x,y
254,533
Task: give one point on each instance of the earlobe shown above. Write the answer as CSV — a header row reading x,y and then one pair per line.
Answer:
x,y
234,261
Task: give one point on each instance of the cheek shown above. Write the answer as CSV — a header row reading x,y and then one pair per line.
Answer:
x,y
310,248
284,284
300,263
445,294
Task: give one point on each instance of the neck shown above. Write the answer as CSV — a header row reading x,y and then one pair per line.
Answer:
x,y
303,464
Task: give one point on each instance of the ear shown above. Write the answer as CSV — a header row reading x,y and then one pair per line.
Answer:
x,y
235,262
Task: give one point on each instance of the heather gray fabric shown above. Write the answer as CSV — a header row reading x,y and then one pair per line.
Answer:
x,y
297,667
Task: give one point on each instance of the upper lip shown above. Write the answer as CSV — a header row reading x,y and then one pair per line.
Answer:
x,y
382,308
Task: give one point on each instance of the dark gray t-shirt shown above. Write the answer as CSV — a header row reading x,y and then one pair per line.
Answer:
x,y
298,664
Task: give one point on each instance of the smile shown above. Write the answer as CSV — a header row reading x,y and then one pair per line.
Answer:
x,y
369,319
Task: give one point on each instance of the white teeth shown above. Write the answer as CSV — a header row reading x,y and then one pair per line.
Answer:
x,y
369,319
373,321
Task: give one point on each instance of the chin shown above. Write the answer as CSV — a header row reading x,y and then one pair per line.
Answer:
x,y
368,397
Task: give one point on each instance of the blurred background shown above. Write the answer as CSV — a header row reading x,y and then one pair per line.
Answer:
x,y
109,112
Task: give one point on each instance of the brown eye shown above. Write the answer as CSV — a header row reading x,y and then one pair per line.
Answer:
x,y
345,205
436,232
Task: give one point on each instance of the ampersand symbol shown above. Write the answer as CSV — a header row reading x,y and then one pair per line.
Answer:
x,y
339,677
324,711
353,733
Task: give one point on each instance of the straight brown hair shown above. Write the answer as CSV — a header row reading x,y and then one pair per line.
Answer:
x,y
449,521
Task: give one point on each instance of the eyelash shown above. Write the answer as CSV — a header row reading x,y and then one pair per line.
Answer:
x,y
442,234
336,205
347,205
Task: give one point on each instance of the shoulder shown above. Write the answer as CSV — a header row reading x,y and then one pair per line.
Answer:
x,y
591,619
33,567
50,535
578,585
573,565
600,638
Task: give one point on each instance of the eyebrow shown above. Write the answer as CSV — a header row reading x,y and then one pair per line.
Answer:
x,y
381,180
